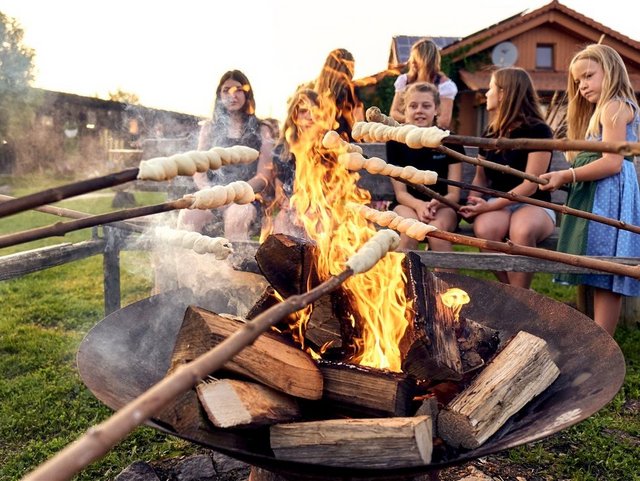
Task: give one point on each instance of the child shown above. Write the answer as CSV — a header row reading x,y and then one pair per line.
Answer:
x,y
298,122
422,101
513,104
233,123
603,107
424,66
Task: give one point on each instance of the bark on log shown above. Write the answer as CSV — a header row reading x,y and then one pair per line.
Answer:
x,y
361,443
232,403
521,371
269,360
365,390
429,347
477,343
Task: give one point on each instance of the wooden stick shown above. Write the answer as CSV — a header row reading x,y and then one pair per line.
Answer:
x,y
61,228
75,214
65,191
432,193
385,218
622,148
491,165
100,439
547,205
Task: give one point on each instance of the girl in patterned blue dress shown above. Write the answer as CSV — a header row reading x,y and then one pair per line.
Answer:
x,y
602,106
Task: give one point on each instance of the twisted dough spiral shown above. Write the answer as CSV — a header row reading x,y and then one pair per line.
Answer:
x,y
375,165
201,244
332,140
415,137
411,227
375,115
238,192
373,250
188,163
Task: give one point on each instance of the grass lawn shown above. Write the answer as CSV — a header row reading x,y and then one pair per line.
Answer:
x,y
44,406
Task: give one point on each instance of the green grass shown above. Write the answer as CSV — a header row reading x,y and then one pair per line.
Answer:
x,y
44,405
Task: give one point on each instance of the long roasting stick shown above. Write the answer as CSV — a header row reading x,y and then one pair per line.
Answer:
x,y
547,205
374,115
160,168
239,192
99,439
419,231
73,214
432,137
491,165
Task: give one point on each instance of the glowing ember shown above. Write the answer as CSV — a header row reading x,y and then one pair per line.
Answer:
x,y
377,298
455,298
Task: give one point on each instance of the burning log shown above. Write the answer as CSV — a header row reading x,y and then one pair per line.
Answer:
x,y
269,360
232,403
324,327
364,443
288,264
430,347
361,389
477,343
521,371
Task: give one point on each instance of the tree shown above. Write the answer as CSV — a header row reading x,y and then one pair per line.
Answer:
x,y
124,97
16,74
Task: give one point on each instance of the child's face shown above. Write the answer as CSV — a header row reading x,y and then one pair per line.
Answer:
x,y
233,95
588,75
304,115
493,95
420,109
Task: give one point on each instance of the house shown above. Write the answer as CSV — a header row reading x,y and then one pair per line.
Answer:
x,y
541,41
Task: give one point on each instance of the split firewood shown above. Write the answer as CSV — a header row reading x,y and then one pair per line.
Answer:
x,y
429,407
430,346
232,403
357,443
323,326
268,360
521,371
367,390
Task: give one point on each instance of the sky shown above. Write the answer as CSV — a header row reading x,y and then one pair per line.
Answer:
x,y
172,54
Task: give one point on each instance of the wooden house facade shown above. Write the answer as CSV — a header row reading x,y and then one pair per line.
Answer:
x,y
541,41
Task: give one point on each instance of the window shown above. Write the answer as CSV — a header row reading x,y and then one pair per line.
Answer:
x,y
544,56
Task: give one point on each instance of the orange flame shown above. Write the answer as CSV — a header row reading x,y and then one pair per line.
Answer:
x,y
377,298
455,298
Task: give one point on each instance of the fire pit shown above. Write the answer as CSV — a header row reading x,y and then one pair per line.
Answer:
x,y
130,350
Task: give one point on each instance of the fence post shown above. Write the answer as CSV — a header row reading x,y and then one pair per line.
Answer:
x,y
111,270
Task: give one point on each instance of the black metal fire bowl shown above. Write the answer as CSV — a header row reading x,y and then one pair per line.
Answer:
x,y
129,351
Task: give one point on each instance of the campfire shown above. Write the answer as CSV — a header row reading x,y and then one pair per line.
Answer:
x,y
388,358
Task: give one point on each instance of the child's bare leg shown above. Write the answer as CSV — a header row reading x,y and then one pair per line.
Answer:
x,y
606,309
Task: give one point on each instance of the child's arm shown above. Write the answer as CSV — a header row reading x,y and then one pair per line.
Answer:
x,y
405,198
615,118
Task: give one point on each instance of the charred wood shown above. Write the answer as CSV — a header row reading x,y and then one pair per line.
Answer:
x,y
364,390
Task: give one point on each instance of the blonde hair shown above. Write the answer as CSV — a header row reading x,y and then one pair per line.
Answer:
x,y
427,56
584,117
290,132
519,105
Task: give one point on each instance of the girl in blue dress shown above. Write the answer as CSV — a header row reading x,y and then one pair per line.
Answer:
x,y
602,106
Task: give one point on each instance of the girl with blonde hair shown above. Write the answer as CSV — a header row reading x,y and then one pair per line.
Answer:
x,y
603,107
424,66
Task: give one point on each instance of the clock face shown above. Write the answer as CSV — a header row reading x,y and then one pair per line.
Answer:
x,y
504,54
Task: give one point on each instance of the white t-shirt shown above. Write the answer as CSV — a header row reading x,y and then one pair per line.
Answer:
x,y
447,89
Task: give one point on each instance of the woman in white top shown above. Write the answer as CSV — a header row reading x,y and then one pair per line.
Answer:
x,y
424,66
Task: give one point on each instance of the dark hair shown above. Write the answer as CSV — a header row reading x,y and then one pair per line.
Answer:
x,y
250,135
519,105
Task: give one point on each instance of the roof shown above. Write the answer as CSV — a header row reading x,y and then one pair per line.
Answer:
x,y
401,47
553,12
542,81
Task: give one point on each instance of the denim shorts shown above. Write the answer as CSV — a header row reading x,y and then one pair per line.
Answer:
x,y
514,206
